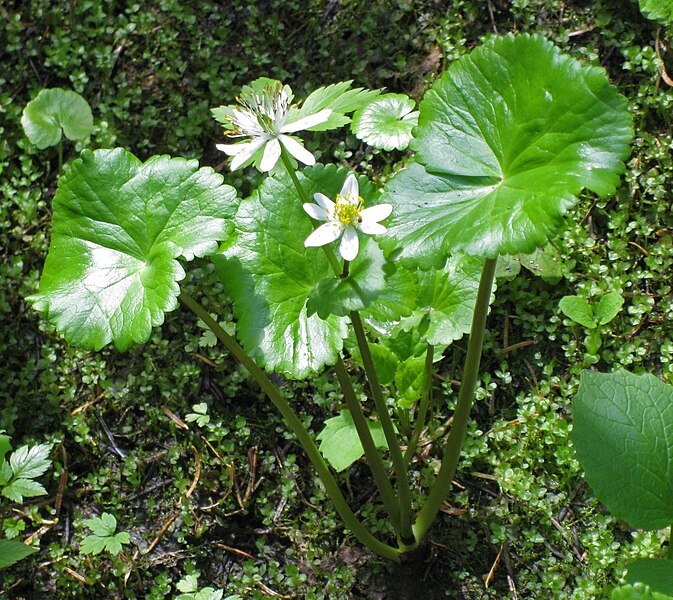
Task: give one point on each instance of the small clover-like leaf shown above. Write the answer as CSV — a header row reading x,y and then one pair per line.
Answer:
x,y
386,122
623,434
579,310
104,537
12,552
339,441
54,111
506,140
119,226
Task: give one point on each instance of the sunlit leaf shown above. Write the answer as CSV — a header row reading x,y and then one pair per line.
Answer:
x,y
118,229
55,111
507,138
579,310
386,122
339,441
271,275
657,10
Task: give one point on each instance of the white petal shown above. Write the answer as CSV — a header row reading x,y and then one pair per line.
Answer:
x,y
377,213
308,122
271,155
251,147
324,201
232,149
372,228
350,244
297,150
350,187
246,121
324,235
315,212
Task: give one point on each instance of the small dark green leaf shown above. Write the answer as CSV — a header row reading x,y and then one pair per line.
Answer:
x,y
54,111
623,433
339,441
12,552
119,227
579,310
656,573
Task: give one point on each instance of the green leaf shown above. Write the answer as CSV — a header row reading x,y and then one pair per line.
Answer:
x,y
12,552
271,276
608,307
5,445
386,122
508,137
409,380
623,434
543,262
54,111
446,300
118,228
637,592
29,462
656,573
385,360
366,280
19,489
657,10
104,537
397,299
339,98
340,443
579,310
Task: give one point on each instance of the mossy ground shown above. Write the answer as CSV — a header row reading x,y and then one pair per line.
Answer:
x,y
235,498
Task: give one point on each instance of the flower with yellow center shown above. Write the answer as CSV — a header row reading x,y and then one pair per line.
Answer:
x,y
344,218
262,118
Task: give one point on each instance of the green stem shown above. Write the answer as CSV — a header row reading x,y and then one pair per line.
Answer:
x,y
303,196
406,532
331,486
424,403
454,441
373,457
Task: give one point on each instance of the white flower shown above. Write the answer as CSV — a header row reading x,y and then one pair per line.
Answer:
x,y
262,119
344,217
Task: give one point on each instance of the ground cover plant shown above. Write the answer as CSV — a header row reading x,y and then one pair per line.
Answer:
x,y
224,500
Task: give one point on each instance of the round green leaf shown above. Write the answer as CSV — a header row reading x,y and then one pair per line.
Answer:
x,y
386,122
54,111
579,310
271,276
623,433
118,227
657,10
508,136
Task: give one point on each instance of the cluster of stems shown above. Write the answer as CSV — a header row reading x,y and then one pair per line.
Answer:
x,y
410,527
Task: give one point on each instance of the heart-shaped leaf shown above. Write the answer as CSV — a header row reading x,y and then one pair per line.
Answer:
x,y
54,111
508,137
623,433
386,122
271,276
118,228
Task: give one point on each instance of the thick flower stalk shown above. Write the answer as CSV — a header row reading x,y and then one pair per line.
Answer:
x,y
262,118
344,218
